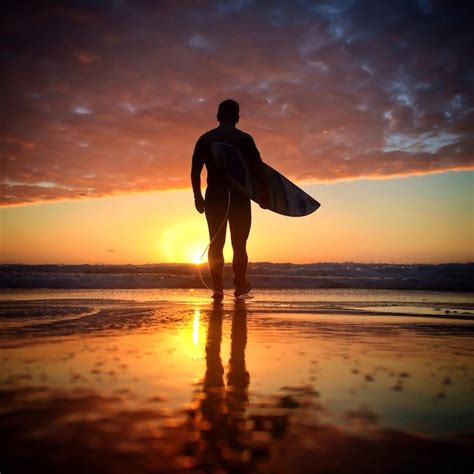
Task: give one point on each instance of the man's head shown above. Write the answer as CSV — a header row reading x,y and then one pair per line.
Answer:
x,y
228,111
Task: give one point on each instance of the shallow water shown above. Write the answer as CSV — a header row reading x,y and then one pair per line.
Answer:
x,y
163,380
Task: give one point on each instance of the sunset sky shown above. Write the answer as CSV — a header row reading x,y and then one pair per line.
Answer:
x,y
368,105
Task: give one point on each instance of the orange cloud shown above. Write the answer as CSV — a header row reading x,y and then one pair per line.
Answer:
x,y
101,100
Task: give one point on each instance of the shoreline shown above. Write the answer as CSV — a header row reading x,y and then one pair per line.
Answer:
x,y
441,277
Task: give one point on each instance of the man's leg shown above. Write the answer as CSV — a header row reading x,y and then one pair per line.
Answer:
x,y
215,212
240,220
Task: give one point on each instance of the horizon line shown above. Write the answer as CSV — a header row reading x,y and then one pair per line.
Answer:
x,y
192,264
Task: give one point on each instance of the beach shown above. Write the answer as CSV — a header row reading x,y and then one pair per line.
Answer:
x,y
163,380
160,155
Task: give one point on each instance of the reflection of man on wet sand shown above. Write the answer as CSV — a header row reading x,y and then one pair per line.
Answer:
x,y
228,438
223,426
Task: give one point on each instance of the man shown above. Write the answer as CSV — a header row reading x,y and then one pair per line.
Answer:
x,y
218,193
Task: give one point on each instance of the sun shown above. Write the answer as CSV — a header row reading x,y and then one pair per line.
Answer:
x,y
196,254
185,242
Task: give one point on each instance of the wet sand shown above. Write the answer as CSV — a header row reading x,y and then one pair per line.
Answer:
x,y
293,381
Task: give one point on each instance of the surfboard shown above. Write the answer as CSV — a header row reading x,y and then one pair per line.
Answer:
x,y
284,196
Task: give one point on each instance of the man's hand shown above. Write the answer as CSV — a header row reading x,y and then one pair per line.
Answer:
x,y
200,204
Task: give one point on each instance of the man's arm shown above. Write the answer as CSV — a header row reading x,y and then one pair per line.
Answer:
x,y
196,168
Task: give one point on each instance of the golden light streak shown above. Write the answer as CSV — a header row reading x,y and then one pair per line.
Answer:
x,y
191,338
197,315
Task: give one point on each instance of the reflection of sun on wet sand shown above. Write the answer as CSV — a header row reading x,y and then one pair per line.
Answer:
x,y
164,382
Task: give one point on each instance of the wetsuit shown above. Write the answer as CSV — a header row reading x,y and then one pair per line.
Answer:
x,y
216,198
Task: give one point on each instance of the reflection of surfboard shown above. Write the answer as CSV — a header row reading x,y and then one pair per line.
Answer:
x,y
285,197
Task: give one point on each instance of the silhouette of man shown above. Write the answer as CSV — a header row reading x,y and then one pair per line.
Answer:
x,y
217,196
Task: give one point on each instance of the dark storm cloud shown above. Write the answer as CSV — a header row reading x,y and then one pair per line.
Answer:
x,y
103,98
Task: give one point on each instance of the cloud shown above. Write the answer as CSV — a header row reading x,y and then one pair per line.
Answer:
x,y
101,99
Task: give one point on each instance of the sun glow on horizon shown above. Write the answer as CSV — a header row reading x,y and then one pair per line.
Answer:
x,y
197,255
141,229
186,242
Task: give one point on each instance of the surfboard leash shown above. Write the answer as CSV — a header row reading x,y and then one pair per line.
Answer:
x,y
224,222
